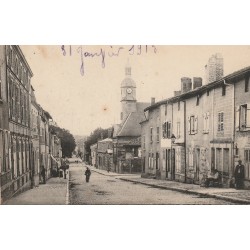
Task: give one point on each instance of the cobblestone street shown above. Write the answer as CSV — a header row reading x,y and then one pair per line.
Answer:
x,y
111,190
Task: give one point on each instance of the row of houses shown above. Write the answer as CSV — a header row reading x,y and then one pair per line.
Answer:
x,y
199,129
27,141
184,137
121,151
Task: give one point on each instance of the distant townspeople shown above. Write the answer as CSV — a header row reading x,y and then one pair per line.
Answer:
x,y
239,175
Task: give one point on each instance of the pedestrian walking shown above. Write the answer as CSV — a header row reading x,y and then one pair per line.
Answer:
x,y
87,173
43,174
239,175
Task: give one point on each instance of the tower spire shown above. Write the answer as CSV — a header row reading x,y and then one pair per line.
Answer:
x,y
128,68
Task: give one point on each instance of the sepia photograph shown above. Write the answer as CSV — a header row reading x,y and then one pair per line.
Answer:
x,y
124,125
134,134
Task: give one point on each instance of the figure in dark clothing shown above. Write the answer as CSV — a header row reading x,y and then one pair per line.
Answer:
x,y
239,175
43,174
213,177
87,173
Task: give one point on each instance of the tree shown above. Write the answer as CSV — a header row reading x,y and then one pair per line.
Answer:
x,y
94,137
67,140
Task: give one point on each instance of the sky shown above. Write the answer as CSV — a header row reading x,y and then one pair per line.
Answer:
x,y
79,85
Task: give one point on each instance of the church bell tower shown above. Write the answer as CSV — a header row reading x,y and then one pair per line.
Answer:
x,y
128,94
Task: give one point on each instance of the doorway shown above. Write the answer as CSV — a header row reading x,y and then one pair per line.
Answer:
x,y
197,172
173,164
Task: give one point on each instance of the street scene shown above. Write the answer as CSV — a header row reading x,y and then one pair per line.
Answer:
x,y
106,188
124,125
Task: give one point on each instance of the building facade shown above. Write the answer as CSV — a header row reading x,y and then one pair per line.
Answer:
x,y
104,151
203,128
129,129
24,126
17,80
5,172
35,142
93,149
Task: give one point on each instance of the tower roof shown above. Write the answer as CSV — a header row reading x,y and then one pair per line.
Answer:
x,y
128,82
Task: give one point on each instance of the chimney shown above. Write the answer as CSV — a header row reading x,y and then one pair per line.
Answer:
x,y
176,93
152,100
197,82
186,84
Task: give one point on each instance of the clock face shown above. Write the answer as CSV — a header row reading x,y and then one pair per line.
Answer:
x,y
129,90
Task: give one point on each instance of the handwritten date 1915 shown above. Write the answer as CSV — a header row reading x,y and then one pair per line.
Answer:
x,y
109,51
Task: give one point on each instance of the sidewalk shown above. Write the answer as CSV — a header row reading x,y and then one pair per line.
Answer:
x,y
54,192
228,194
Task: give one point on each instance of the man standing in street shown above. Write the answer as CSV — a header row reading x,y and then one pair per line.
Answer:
x,y
239,176
87,173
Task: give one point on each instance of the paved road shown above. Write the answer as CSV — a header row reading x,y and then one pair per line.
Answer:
x,y
110,190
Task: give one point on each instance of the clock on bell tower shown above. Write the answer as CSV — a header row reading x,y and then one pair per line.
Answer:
x,y
128,94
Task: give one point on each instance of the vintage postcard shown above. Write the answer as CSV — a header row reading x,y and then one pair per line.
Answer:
x,y
124,125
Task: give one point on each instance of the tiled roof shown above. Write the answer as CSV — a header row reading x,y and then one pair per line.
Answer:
x,y
206,87
131,126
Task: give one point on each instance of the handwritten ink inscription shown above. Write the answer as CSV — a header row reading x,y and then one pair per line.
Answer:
x,y
110,51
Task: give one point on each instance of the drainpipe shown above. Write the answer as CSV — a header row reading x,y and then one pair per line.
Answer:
x,y
185,139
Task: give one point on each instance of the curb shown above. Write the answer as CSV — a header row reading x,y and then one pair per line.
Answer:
x,y
106,174
187,191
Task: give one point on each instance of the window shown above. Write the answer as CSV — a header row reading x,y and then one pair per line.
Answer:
x,y
207,92
179,105
223,92
193,125
206,123
151,135
166,130
243,117
247,84
158,134
220,121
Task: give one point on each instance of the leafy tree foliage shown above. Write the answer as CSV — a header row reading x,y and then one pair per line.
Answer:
x,y
96,135
67,140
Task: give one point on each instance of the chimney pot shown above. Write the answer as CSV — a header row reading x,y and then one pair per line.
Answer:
x,y
152,100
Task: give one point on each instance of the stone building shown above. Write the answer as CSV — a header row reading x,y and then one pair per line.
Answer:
x,y
203,128
25,138
242,122
93,149
5,172
129,128
105,154
16,76
35,142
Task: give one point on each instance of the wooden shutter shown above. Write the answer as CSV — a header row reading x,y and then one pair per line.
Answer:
x,y
204,122
237,118
248,117
207,122
196,125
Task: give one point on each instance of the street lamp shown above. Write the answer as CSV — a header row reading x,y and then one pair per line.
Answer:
x,y
172,162
173,138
